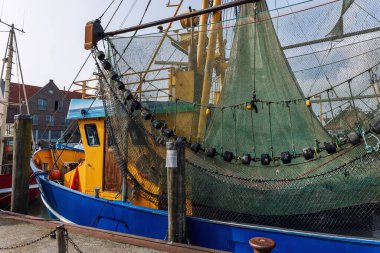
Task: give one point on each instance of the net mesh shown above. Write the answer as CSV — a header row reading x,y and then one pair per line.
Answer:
x,y
331,192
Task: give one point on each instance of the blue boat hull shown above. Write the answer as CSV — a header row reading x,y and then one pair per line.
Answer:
x,y
74,207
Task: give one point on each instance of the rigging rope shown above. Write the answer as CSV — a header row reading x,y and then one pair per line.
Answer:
x,y
134,34
332,112
113,15
353,102
253,134
333,48
101,16
315,56
66,93
369,14
235,127
341,60
221,135
192,124
291,127
270,129
175,115
254,50
175,31
128,13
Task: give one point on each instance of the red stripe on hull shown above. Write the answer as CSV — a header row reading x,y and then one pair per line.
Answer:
x,y
6,183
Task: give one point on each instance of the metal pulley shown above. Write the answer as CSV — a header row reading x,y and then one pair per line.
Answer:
x,y
189,22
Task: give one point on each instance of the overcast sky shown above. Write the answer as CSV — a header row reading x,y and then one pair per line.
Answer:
x,y
52,47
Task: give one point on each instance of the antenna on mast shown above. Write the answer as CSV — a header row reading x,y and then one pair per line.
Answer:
x,y
23,21
2,8
12,26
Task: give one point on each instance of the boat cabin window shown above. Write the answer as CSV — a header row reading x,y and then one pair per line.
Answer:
x,y
91,135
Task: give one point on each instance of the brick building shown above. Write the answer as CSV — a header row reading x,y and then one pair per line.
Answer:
x,y
48,106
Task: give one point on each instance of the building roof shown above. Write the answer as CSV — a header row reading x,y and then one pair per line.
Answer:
x,y
72,94
346,115
16,94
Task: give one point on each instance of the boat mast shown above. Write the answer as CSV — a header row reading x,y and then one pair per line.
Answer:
x,y
202,33
208,69
6,93
222,63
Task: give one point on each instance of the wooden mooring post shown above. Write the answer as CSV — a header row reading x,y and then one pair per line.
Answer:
x,y
175,164
22,141
61,239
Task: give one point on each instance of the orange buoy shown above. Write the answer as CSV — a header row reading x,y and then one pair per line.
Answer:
x,y
308,103
55,174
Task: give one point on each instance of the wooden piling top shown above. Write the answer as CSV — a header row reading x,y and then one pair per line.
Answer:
x,y
262,244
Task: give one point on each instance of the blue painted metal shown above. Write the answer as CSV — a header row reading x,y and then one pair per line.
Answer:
x,y
62,146
85,108
89,108
82,209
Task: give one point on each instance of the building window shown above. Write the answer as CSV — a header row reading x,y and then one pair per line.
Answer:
x,y
65,122
55,135
42,104
35,119
49,120
58,106
91,135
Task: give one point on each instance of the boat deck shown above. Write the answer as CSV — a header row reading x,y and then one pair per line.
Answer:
x,y
16,229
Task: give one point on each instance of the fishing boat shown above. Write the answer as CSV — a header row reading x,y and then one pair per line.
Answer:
x,y
72,200
245,103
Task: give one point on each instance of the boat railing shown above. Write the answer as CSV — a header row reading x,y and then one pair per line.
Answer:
x,y
156,85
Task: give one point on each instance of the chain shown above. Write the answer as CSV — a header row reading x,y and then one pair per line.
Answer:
x,y
29,243
72,243
50,234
